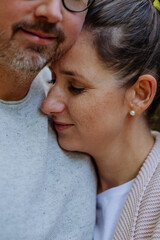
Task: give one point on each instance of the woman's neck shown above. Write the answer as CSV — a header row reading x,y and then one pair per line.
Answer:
x,y
122,159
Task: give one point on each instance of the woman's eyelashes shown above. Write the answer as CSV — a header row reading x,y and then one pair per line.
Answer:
x,y
52,81
71,87
75,90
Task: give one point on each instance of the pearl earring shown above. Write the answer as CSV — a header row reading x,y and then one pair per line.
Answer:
x,y
132,113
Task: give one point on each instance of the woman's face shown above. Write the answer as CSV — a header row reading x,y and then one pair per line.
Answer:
x,y
88,108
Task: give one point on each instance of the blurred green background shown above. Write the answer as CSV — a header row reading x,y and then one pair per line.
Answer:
x,y
155,123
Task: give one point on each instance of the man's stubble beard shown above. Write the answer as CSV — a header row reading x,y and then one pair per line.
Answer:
x,y
27,61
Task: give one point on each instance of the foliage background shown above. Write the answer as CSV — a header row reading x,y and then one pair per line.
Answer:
x,y
155,122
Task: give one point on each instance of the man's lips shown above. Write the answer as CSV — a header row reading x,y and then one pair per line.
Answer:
x,y
40,34
62,126
39,37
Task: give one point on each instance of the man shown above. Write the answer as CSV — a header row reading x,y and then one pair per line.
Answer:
x,y
45,193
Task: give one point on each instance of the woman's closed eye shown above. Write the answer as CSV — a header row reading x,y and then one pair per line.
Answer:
x,y
76,90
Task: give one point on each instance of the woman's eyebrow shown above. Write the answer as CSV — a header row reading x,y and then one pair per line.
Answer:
x,y
65,72
72,73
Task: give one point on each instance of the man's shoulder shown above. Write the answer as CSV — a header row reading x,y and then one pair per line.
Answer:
x,y
41,80
44,74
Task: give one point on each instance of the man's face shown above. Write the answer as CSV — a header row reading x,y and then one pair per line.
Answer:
x,y
34,31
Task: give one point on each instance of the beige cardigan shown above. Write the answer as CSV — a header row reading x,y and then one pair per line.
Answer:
x,y
140,218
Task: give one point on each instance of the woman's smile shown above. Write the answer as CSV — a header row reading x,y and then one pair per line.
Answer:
x,y
60,126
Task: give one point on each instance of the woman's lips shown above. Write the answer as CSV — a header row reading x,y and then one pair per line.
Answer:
x,y
62,126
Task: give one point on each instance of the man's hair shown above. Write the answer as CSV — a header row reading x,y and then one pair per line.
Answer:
x,y
126,36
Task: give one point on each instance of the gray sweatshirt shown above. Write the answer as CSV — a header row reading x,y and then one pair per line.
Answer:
x,y
45,192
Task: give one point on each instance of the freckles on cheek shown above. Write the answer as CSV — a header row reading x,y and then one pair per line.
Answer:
x,y
89,117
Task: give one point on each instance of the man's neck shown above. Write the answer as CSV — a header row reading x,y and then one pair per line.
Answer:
x,y
14,86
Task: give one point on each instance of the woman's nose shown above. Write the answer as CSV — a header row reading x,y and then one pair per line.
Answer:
x,y
53,103
50,10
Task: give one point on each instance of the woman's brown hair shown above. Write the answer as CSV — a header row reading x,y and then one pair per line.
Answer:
x,y
126,35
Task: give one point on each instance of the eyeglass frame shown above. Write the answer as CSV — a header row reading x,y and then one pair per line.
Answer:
x,y
91,2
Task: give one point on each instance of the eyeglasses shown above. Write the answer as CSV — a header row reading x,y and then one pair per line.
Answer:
x,y
77,5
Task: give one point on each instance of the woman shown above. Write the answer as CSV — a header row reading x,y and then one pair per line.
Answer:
x,y
105,89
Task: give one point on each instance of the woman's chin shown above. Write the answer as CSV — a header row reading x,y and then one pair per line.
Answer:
x,y
67,146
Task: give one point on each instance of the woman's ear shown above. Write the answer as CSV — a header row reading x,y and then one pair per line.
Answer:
x,y
142,93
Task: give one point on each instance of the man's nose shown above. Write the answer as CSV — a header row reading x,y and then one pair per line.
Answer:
x,y
50,11
53,103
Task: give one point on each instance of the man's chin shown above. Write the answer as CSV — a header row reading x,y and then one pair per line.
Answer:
x,y
28,62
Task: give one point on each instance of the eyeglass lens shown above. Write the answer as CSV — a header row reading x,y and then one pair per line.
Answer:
x,y
77,5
